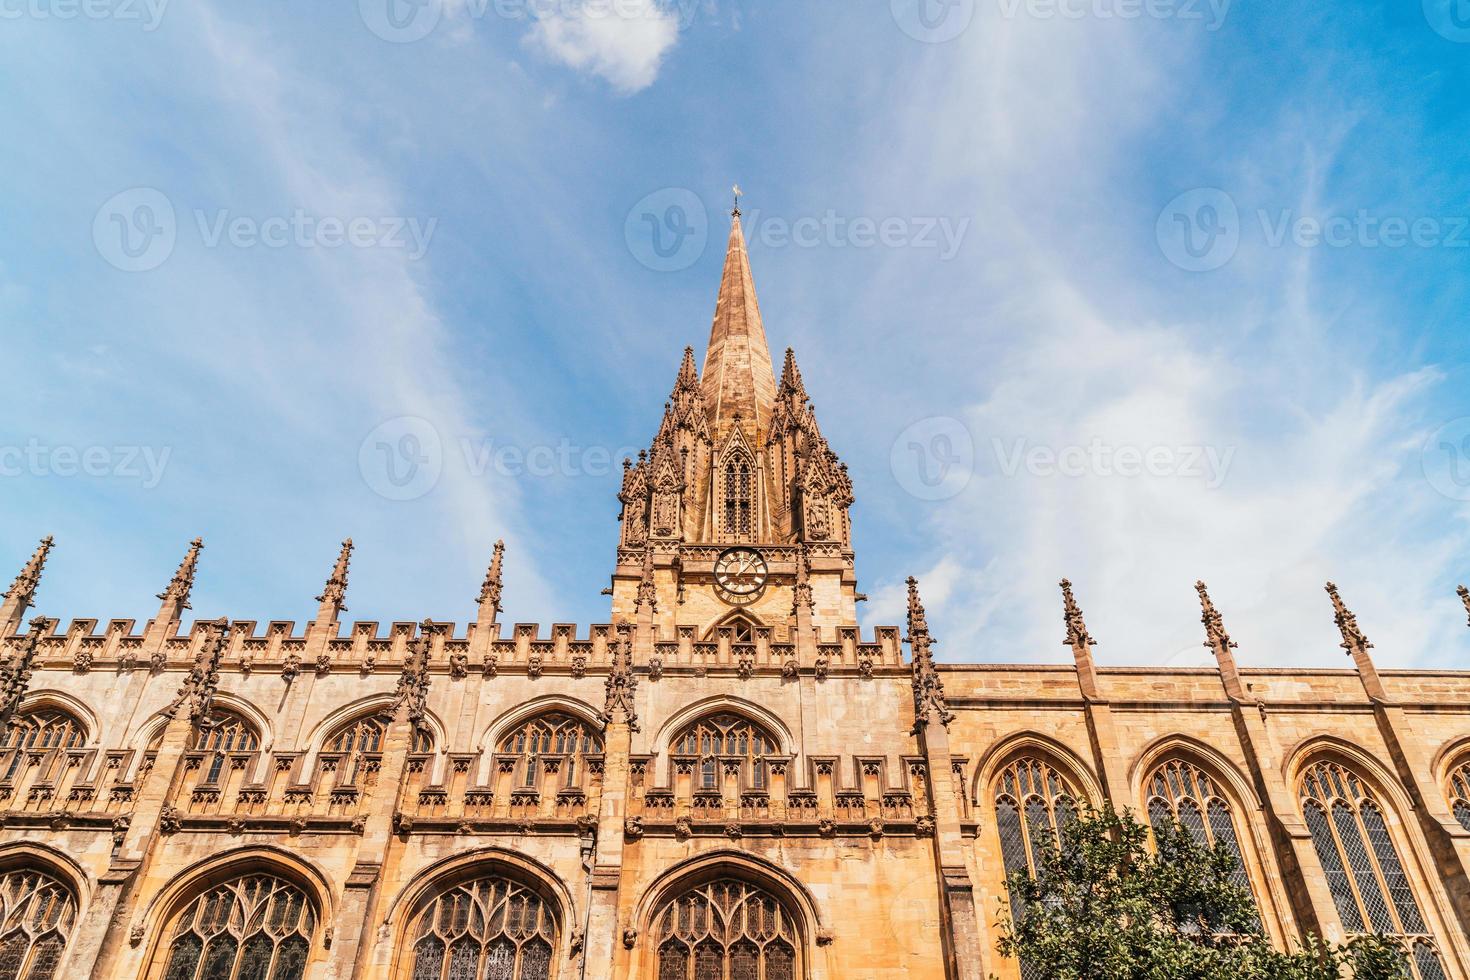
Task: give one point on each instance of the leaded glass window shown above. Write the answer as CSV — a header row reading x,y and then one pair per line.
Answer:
x,y
727,737
39,912
486,929
254,927
726,930
556,734
361,741
1364,874
226,733
1032,802
1460,793
1181,791
738,494
41,730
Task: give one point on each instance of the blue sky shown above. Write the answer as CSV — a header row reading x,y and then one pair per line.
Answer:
x,y
1164,291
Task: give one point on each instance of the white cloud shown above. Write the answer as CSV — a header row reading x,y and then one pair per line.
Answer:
x,y
623,43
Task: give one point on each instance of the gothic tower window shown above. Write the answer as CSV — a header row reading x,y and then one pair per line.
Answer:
x,y
737,492
742,628
1460,793
1032,802
726,930
41,730
228,734
359,743
38,914
254,927
718,737
1181,791
553,734
486,929
1364,874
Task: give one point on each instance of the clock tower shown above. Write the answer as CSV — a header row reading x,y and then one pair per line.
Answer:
x,y
737,515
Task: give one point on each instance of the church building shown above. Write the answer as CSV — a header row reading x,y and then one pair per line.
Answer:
x,y
728,780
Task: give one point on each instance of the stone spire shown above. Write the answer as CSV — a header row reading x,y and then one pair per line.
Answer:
x,y
618,706
647,591
1464,597
16,670
929,703
1357,645
176,595
334,596
489,600
411,697
1081,643
22,593
738,379
1220,643
196,693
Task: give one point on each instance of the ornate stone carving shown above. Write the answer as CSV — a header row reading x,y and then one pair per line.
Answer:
x,y
334,595
929,703
170,821
411,696
745,666
924,826
459,665
120,827
734,831
827,827
533,666
865,667
490,589
23,590
875,827
17,668
579,665
323,664
491,666
621,683
82,662
630,938
790,670
655,668
135,934
178,589
633,828
196,694
291,669
819,668
683,829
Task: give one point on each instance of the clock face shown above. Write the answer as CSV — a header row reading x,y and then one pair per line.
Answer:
x,y
740,575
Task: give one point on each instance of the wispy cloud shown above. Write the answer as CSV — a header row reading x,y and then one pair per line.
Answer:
x,y
624,43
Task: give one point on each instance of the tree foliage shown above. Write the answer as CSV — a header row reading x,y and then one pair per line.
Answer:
x,y
1104,906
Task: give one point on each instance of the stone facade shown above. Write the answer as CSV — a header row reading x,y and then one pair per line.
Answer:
x,y
727,780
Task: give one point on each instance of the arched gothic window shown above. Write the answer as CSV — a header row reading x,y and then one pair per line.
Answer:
x,y
486,929
1460,793
40,730
738,494
742,628
555,733
1181,791
718,737
361,741
1032,802
726,930
38,914
1364,874
254,927
227,734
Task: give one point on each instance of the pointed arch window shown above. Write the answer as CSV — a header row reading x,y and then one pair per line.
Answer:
x,y
726,929
557,734
1183,792
1460,793
254,927
227,734
41,730
486,929
737,493
1033,801
38,913
360,744
742,628
1365,876
727,737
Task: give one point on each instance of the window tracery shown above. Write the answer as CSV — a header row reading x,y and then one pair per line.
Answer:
x,y
227,733
1183,792
555,733
486,929
254,927
37,913
726,929
1033,801
40,730
1459,792
1364,874
717,738
738,494
360,742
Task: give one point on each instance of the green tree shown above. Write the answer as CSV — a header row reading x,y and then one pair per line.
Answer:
x,y
1104,906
